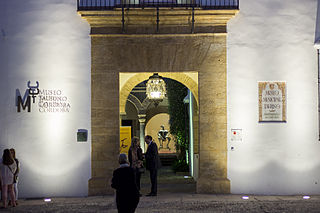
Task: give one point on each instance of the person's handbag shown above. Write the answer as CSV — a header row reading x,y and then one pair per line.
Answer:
x,y
141,169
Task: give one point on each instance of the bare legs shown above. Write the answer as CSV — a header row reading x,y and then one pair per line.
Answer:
x,y
12,195
15,187
5,190
4,195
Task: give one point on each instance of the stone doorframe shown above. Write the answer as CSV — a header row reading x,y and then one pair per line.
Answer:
x,y
173,50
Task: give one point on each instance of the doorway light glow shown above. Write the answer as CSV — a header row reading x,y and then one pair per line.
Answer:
x,y
47,200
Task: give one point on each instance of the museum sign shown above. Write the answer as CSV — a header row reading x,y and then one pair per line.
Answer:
x,y
272,102
44,100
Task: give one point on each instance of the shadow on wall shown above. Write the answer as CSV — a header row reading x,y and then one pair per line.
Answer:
x,y
317,30
275,179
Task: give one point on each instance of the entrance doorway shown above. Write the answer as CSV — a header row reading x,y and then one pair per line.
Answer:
x,y
131,58
147,118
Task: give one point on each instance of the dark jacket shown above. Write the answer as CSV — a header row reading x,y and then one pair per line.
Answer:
x,y
152,157
127,193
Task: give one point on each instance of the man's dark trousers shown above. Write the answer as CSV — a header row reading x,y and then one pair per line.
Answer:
x,y
153,178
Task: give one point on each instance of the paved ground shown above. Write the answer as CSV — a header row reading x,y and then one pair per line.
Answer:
x,y
176,203
176,194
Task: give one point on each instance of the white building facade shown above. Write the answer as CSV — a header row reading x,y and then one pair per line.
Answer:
x,y
268,41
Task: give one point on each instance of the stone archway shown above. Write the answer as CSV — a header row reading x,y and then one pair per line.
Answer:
x,y
135,79
174,50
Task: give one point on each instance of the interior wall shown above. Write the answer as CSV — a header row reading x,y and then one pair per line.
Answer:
x,y
153,127
131,112
46,41
273,40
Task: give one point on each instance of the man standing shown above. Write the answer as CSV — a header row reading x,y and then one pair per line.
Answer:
x,y
152,164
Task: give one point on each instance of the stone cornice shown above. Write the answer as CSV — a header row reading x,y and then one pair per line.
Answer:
x,y
171,20
158,35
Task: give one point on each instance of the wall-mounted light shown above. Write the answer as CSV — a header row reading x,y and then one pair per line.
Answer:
x,y
156,88
47,200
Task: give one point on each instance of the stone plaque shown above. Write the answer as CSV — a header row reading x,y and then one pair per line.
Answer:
x,y
272,101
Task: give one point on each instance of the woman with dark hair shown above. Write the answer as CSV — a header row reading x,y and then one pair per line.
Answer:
x,y
8,168
15,179
136,158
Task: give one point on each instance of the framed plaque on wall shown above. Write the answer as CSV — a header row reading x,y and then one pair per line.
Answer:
x,y
272,101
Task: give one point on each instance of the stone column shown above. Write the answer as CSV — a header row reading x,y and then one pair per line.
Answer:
x,y
104,122
142,122
213,120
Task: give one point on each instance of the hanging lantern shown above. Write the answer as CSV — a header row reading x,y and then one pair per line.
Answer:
x,y
156,88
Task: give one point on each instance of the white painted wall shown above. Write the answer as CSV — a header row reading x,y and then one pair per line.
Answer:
x,y
271,40
46,41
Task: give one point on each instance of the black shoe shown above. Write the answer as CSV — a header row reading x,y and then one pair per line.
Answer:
x,y
151,194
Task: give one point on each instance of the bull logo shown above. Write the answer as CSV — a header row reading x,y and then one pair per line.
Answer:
x,y
25,102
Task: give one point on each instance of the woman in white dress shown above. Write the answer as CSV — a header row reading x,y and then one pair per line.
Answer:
x,y
8,168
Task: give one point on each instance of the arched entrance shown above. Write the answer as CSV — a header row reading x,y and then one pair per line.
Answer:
x,y
174,52
129,80
142,115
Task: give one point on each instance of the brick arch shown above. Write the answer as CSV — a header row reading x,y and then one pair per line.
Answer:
x,y
139,77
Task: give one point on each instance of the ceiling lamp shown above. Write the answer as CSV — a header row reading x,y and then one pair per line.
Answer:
x,y
156,88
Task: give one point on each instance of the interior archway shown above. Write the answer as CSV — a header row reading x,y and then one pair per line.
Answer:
x,y
129,80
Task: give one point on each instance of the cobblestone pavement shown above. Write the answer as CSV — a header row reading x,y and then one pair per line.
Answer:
x,y
171,202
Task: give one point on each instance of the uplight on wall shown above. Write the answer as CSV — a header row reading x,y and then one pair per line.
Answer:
x,y
47,200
